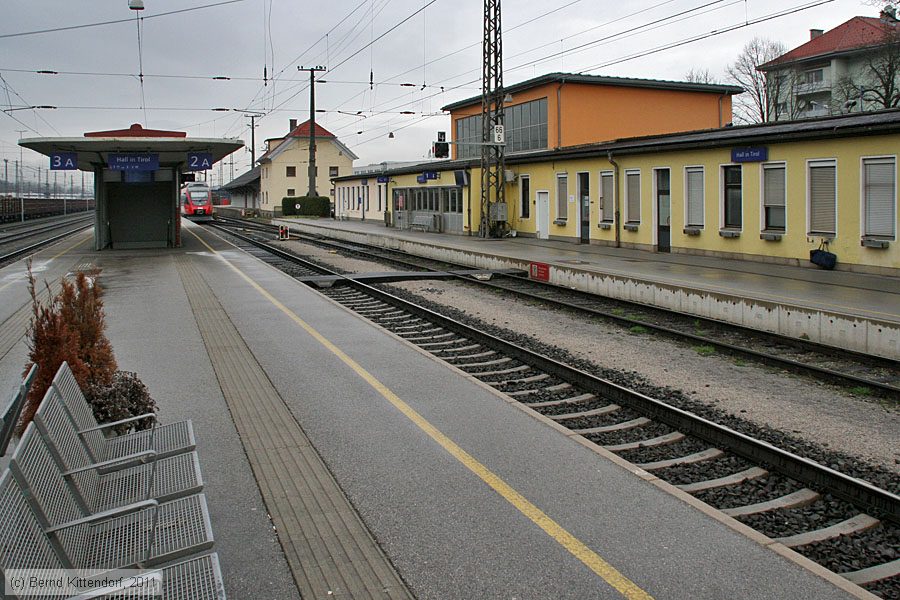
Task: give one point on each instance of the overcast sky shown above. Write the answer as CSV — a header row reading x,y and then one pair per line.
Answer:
x,y
238,39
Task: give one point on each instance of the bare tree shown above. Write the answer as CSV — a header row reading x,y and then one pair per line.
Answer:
x,y
699,76
876,84
759,101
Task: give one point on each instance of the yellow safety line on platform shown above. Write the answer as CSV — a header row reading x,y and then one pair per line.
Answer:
x,y
576,547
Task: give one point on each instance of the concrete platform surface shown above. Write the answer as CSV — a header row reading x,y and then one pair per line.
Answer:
x,y
467,495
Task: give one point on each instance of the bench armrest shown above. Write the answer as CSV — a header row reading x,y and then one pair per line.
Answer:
x,y
115,423
113,461
106,514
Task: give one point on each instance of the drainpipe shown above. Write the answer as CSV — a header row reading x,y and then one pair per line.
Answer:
x,y
615,165
562,82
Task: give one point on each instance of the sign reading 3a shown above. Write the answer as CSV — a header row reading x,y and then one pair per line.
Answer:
x,y
64,161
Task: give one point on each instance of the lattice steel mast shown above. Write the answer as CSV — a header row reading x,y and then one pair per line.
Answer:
x,y
492,155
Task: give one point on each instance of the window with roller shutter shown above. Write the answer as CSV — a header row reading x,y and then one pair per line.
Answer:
x,y
822,197
774,205
693,177
632,196
879,197
608,198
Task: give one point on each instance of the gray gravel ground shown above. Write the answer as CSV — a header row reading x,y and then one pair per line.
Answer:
x,y
814,412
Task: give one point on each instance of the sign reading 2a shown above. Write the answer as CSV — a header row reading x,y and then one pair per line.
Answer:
x,y
199,161
64,161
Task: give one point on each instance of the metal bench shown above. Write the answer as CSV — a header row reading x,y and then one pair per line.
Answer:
x,y
51,437
140,534
24,544
164,440
423,222
10,416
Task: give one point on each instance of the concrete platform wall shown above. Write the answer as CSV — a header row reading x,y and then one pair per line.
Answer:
x,y
860,334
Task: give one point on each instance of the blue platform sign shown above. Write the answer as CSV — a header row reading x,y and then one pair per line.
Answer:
x,y
421,178
199,161
133,161
383,179
430,174
749,154
64,161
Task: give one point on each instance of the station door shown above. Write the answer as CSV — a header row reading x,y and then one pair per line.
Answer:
x,y
139,214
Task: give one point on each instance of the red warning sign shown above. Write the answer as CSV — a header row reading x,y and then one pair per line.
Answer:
x,y
539,271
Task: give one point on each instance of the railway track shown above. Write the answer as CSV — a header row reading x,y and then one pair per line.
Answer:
x,y
863,374
25,240
840,521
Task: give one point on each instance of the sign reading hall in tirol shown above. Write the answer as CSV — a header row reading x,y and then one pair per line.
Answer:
x,y
145,161
757,154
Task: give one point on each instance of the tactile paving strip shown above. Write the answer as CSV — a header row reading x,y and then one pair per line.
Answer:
x,y
328,548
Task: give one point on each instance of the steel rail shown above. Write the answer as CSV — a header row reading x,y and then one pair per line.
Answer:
x,y
45,242
858,492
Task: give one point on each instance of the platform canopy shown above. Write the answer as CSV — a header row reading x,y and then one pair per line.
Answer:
x,y
173,147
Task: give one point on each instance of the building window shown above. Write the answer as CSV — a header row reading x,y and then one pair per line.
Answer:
x,y
333,171
880,197
562,197
291,171
773,198
632,196
814,76
822,195
525,197
526,126
379,197
526,129
731,179
607,197
290,193
693,183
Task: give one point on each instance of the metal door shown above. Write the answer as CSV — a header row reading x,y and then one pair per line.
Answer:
x,y
663,211
584,201
543,215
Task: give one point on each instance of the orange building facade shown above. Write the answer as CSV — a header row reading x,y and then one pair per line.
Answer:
x,y
559,110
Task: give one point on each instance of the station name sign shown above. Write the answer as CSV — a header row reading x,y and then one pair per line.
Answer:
x,y
133,161
757,154
383,179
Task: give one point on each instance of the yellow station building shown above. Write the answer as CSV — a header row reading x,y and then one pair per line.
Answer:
x,y
769,192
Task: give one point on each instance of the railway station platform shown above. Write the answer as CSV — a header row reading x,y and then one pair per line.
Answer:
x,y
341,461
856,311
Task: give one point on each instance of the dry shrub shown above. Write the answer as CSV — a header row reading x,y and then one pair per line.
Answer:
x,y
82,311
50,342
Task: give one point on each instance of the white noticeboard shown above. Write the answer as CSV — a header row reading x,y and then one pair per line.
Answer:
x,y
499,134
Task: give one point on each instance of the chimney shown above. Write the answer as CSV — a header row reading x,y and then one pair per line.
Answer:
x,y
814,33
293,125
889,14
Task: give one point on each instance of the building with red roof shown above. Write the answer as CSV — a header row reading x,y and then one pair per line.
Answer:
x,y
846,69
284,167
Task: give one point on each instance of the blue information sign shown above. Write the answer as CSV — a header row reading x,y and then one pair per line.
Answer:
x,y
64,161
133,161
749,154
199,161
383,179
421,178
430,174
